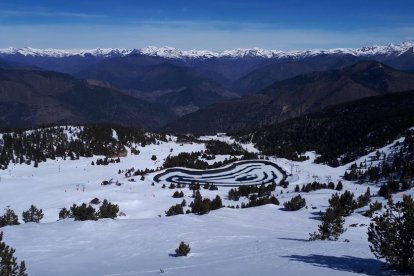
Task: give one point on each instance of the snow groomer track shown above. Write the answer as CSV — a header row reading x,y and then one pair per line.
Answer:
x,y
250,172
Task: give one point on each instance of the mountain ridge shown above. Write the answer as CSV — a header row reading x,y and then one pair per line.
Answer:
x,y
174,53
296,96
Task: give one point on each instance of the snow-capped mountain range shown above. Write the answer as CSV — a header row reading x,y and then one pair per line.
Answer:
x,y
173,53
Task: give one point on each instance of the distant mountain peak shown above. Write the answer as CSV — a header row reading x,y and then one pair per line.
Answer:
x,y
174,53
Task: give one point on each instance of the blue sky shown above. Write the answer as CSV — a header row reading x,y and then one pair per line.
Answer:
x,y
212,24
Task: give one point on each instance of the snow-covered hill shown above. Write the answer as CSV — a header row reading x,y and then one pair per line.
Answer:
x,y
263,240
173,53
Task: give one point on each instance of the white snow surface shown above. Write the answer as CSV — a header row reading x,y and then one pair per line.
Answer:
x,y
174,53
263,240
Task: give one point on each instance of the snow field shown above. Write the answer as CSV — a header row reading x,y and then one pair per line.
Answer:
x,y
263,240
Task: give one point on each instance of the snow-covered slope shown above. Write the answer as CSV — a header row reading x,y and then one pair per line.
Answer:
x,y
173,53
263,240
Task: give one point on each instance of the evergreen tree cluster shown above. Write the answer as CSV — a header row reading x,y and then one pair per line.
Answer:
x,y
247,190
9,218
255,201
193,159
33,214
87,212
332,220
373,207
201,206
8,262
392,187
216,147
69,142
398,165
178,194
132,172
296,203
341,133
174,210
314,186
391,235
106,161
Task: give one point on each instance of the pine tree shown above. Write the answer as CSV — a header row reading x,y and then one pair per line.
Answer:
x,y
331,227
9,218
32,215
392,235
297,189
108,210
216,203
65,213
8,263
295,203
175,210
83,212
339,186
182,250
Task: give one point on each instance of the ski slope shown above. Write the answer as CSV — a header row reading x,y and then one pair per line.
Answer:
x,y
264,240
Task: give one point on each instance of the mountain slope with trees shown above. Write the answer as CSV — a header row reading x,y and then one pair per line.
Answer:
x,y
32,98
340,133
296,96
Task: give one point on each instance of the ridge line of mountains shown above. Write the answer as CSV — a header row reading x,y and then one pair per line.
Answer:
x,y
201,95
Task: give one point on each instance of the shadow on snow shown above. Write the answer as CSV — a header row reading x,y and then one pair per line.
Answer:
x,y
345,263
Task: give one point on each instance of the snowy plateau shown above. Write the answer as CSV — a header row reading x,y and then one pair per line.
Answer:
x,y
264,240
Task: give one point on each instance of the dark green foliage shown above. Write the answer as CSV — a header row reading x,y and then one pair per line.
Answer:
x,y
108,210
9,218
182,250
33,215
343,204
8,263
187,160
331,226
295,203
87,212
39,144
216,203
391,235
203,206
154,157
373,207
339,186
255,201
83,212
364,199
194,186
284,183
247,190
340,133
314,186
175,210
297,189
95,201
396,168
234,194
392,187
200,206
178,194
192,159
216,147
183,203
65,213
